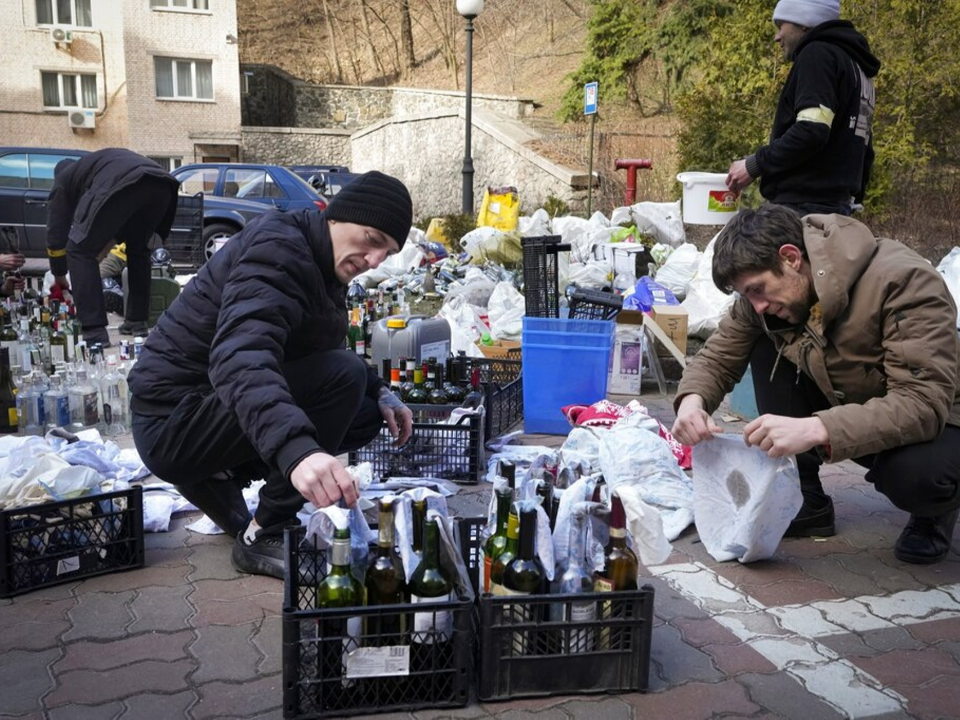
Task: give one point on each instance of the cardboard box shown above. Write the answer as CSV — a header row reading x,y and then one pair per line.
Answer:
x,y
501,349
672,319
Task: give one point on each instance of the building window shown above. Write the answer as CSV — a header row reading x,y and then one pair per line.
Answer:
x,y
181,4
64,12
167,163
67,90
184,79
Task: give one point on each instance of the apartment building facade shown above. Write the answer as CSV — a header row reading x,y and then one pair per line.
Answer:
x,y
160,77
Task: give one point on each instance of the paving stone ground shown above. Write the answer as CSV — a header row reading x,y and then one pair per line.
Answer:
x,y
825,629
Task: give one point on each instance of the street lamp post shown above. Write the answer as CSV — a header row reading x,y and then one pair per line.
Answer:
x,y
469,9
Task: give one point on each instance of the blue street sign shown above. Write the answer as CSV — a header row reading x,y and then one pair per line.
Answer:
x,y
590,98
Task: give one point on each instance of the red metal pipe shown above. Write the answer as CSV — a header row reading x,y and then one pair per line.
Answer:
x,y
631,167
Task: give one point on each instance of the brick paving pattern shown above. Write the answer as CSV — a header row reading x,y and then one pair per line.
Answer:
x,y
825,629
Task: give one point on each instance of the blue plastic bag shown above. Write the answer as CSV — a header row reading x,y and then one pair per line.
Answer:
x,y
647,293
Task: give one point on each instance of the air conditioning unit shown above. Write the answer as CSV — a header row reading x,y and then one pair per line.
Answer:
x,y
82,119
61,35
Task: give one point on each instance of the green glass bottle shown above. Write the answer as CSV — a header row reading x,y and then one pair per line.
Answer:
x,y
418,395
524,574
9,421
418,516
407,378
509,553
339,635
431,583
58,348
435,393
497,542
385,583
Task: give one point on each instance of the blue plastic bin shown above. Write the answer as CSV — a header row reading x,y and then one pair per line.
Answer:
x,y
565,363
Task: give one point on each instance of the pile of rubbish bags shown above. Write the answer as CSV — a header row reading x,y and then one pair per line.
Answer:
x,y
479,276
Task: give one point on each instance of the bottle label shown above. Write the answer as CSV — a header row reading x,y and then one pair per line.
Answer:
x,y
361,346
58,354
602,584
91,415
107,414
432,627
369,662
13,418
61,416
581,639
501,591
485,573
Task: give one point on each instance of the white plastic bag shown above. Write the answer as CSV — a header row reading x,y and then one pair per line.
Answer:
x,y
949,267
505,312
466,326
705,303
631,454
536,225
679,269
743,500
662,221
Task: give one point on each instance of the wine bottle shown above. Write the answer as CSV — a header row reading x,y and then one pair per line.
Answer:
x,y
474,398
619,572
355,334
435,393
9,421
430,583
406,378
339,589
395,382
510,551
508,471
385,583
575,581
418,517
524,575
418,395
620,562
497,542
545,493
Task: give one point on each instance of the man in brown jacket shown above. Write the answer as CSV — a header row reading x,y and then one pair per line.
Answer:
x,y
858,339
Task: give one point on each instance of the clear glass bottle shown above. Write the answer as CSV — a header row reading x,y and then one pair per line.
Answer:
x,y
84,402
9,420
56,404
113,391
30,407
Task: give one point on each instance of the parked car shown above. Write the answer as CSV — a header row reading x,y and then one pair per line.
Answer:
x,y
271,185
26,178
325,179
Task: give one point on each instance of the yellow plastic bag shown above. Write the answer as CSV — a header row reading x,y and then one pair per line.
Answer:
x,y
500,209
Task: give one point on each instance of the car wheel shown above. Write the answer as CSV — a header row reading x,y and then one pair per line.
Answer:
x,y
214,232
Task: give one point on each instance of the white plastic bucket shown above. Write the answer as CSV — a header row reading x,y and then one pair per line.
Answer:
x,y
706,198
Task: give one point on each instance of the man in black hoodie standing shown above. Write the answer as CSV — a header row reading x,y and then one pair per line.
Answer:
x,y
820,153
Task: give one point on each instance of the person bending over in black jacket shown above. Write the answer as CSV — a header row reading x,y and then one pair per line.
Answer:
x,y
112,194
246,374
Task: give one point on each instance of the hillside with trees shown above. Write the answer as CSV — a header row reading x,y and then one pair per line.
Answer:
x,y
688,83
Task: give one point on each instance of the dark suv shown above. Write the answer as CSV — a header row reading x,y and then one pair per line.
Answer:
x,y
26,178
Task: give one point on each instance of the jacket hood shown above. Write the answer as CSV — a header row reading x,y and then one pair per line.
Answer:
x,y
839,249
842,34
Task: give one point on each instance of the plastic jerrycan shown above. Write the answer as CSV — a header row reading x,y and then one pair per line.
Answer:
x,y
414,336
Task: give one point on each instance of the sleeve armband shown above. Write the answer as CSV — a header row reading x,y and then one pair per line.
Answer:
x,y
56,253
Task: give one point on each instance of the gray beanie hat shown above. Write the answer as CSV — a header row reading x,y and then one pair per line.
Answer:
x,y
375,200
808,13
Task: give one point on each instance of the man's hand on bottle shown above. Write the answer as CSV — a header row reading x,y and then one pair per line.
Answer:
x,y
322,480
693,423
11,284
398,416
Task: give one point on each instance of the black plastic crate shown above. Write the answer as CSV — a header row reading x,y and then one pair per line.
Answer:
x,y
315,681
589,304
502,382
527,649
452,452
58,542
540,275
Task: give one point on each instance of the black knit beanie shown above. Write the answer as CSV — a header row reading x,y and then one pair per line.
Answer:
x,y
375,200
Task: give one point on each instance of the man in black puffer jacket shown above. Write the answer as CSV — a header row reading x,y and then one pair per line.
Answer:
x,y
108,195
246,373
820,152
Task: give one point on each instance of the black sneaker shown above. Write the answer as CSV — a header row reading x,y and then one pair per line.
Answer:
x,y
259,551
926,540
813,521
137,328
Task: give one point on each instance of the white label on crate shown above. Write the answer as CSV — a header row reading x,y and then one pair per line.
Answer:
x,y
439,350
68,565
433,626
378,661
